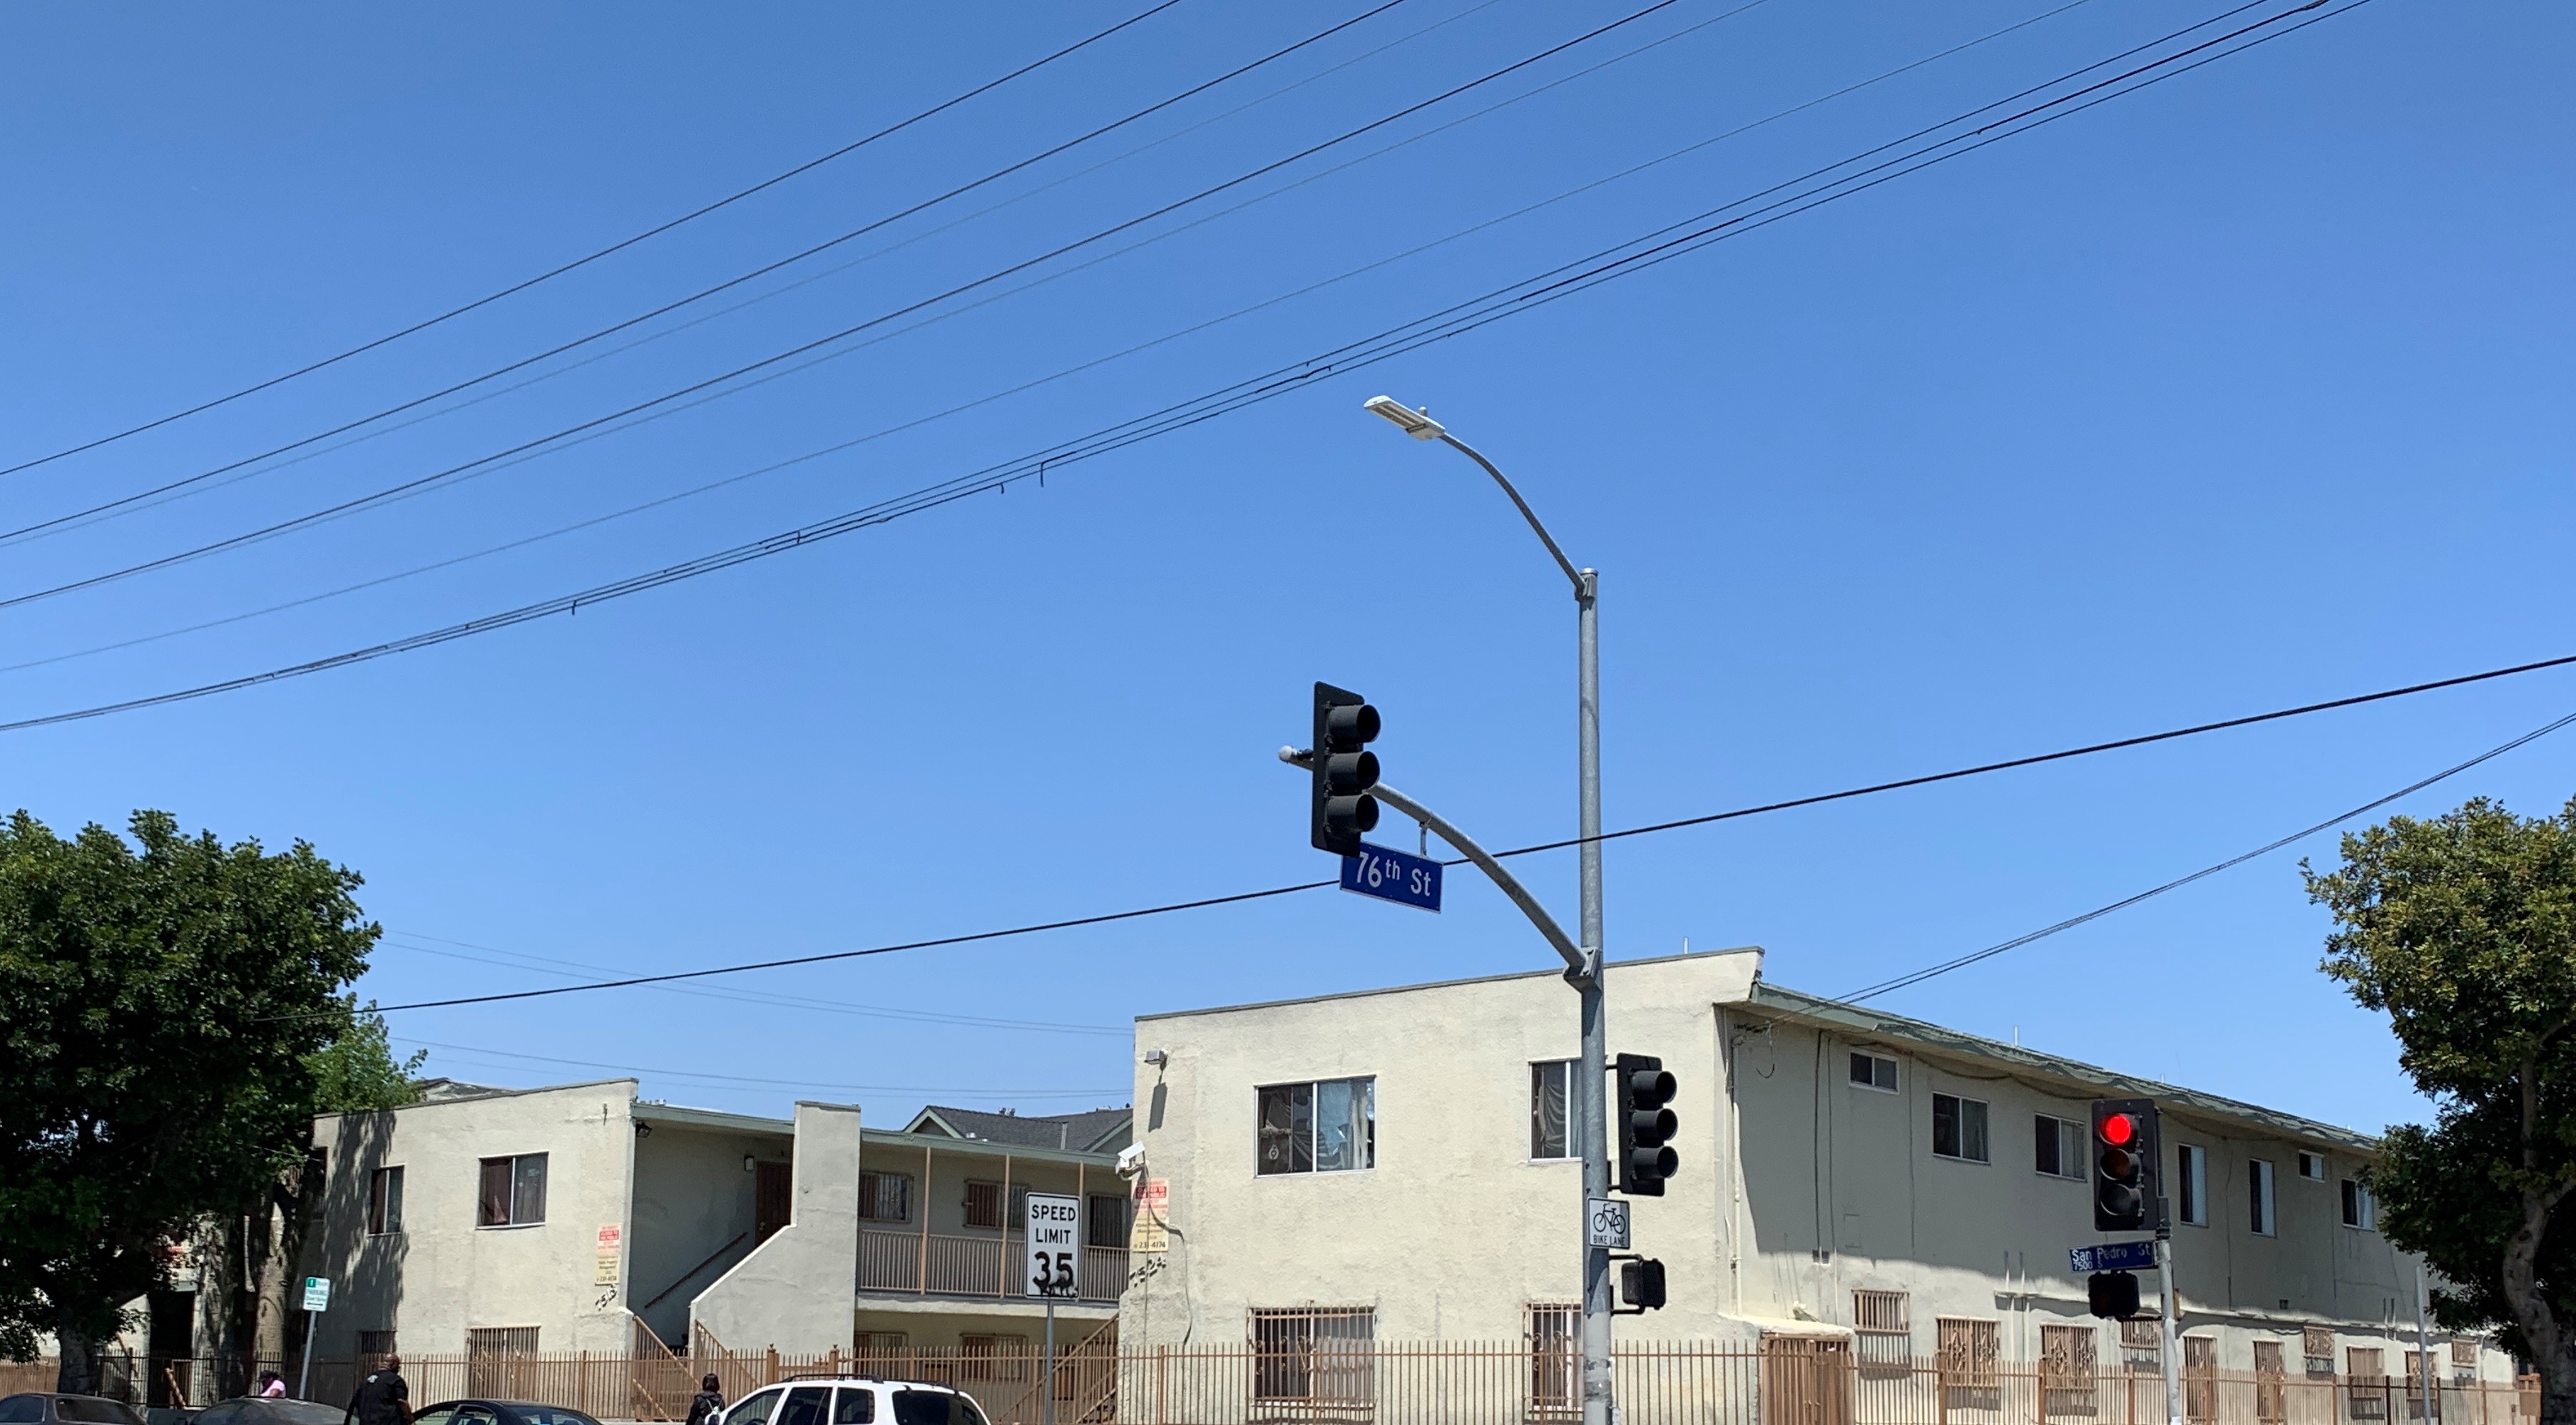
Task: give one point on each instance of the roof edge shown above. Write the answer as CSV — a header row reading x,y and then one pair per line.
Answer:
x,y
1550,974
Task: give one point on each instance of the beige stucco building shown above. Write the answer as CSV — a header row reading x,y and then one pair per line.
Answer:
x,y
1393,1165
583,1219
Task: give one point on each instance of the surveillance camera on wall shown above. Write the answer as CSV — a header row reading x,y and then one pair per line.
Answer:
x,y
1131,1160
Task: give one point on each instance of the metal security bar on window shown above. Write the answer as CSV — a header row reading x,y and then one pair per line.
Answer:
x,y
2271,1397
1970,1353
2142,1348
2317,1345
2067,1373
1555,1336
2366,1386
1321,1357
1883,1329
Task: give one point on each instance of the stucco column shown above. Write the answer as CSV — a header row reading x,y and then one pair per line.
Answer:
x,y
799,1291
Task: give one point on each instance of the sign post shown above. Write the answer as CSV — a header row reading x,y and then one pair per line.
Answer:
x,y
1053,1269
317,1299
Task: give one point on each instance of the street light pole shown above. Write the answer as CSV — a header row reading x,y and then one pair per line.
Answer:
x,y
1591,1111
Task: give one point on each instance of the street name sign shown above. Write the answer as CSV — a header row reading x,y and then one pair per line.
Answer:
x,y
1393,876
2114,1257
1054,1244
1605,1223
317,1293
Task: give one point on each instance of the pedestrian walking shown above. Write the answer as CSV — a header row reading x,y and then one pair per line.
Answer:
x,y
272,1386
383,1398
708,1404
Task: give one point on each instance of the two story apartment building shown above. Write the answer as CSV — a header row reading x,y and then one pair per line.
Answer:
x,y
580,1218
1395,1166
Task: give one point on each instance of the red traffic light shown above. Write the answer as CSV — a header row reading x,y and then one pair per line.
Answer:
x,y
2119,1129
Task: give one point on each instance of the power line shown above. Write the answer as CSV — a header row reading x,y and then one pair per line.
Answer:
x,y
1275,891
1619,260
23,531
580,262
1945,967
754,1082
355,503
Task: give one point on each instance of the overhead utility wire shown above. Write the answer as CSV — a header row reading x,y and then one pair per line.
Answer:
x,y
1395,341
1093,362
155,498
862,230
379,496
1274,891
740,1079
1945,967
580,262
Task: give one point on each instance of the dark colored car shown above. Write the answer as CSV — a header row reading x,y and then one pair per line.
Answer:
x,y
269,1410
39,1409
498,1412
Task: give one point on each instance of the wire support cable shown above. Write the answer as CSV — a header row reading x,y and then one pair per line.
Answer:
x,y
1244,897
580,262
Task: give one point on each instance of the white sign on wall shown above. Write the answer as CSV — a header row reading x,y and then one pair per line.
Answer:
x,y
1054,1244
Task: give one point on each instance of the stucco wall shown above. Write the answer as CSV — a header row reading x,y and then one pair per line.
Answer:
x,y
694,1215
442,1274
1455,1229
798,1290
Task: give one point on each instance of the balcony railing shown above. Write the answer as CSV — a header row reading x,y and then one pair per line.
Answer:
x,y
988,1264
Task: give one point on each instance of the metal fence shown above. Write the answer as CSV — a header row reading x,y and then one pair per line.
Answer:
x,y
1328,1380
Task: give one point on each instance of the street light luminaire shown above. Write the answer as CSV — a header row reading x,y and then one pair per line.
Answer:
x,y
1417,424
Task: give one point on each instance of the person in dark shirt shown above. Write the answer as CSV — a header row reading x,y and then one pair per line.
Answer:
x,y
383,1398
708,1403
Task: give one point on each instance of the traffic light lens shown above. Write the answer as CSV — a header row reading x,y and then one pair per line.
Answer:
x,y
1350,772
2119,1130
2119,1163
1350,727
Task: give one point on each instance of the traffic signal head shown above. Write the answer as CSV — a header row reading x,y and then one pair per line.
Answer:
x,y
1646,1124
1641,1284
2126,1145
1344,769
2113,1294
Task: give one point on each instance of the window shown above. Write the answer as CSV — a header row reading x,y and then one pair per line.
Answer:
x,y
513,1192
1104,1221
2359,1208
752,1410
22,1410
1882,1329
993,1357
1969,1351
881,1347
2059,1147
2066,1369
2464,1363
2191,1184
384,1202
2271,1399
854,1405
1554,1332
2419,1383
884,1197
934,1407
2368,1388
372,1344
1549,1137
90,1411
2142,1348
2200,1377
1323,1355
2258,1197
2316,1345
2312,1166
1325,1127
984,1205
1873,1071
1959,1128
501,1341
805,1405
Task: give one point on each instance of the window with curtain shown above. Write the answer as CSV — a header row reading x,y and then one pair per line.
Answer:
x,y
1550,1081
1329,1126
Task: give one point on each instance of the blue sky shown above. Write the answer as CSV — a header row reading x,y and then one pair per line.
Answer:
x,y
2244,391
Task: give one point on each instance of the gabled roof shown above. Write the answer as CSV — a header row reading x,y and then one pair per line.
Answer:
x,y
1098,1130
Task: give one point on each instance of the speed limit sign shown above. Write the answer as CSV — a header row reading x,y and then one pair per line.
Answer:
x,y
1054,1244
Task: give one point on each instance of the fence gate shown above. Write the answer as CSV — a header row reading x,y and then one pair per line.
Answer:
x,y
1806,1380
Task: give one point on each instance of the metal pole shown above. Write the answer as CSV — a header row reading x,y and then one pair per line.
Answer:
x,y
2423,1350
1595,1117
1049,1383
2172,1352
304,1372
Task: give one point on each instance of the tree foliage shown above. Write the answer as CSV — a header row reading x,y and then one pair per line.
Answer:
x,y
356,1072
169,1011
2462,929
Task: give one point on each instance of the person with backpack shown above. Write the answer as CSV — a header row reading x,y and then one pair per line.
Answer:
x,y
707,1406
383,1398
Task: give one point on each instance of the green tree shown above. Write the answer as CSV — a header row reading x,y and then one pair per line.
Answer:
x,y
163,1005
356,1071
2462,929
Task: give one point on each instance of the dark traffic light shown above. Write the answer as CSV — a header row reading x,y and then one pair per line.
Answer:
x,y
1641,1284
2126,1149
1344,769
2113,1294
1646,1126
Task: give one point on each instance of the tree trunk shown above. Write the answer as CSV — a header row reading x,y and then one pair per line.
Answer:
x,y
76,1372
2552,1354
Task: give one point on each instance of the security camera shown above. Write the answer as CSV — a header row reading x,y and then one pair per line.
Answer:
x,y
1131,1160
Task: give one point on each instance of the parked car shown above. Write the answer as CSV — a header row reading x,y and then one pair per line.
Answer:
x,y
856,1400
497,1412
42,1409
269,1410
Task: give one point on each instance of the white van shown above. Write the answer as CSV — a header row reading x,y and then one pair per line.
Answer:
x,y
856,1400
